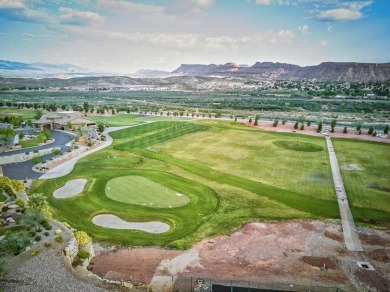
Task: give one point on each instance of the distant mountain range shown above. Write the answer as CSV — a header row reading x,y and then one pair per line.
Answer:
x,y
44,70
327,71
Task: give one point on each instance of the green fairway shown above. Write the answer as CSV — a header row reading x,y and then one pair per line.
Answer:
x,y
298,146
25,113
142,191
368,188
117,120
227,173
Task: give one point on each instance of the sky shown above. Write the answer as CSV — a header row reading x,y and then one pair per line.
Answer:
x,y
123,36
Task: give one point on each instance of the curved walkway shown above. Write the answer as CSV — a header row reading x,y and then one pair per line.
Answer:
x,y
67,167
351,237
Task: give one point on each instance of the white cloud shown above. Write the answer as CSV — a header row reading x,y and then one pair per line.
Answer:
x,y
263,2
129,7
339,14
12,4
304,29
75,17
324,43
203,3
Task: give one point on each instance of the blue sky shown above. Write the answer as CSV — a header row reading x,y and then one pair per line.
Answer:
x,y
122,36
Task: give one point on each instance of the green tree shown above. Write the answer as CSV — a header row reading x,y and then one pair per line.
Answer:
x,y
37,201
42,137
333,125
16,242
38,114
296,125
284,121
302,127
86,106
256,120
386,130
308,123
345,131
358,128
319,129
100,127
250,120
276,122
370,130
374,134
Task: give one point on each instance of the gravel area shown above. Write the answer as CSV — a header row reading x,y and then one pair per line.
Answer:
x,y
114,222
70,189
45,272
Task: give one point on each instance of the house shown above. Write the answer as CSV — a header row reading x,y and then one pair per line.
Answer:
x,y
62,121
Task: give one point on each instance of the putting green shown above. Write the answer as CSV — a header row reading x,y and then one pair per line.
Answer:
x,y
298,146
142,191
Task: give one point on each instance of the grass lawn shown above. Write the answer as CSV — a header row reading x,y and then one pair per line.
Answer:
x,y
230,173
29,143
142,191
117,120
26,113
368,188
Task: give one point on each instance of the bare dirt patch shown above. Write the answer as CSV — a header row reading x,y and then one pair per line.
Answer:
x,y
319,262
372,279
136,265
285,252
380,255
333,236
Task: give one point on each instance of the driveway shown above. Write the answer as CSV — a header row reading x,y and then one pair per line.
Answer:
x,y
24,170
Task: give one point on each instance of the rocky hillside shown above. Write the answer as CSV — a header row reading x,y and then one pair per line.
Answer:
x,y
328,71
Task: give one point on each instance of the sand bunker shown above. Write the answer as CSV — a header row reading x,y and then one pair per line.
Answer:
x,y
350,167
70,189
114,222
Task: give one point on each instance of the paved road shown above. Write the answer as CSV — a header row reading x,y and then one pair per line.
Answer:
x,y
24,170
351,237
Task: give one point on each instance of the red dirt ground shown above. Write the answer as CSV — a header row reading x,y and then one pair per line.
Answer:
x,y
289,252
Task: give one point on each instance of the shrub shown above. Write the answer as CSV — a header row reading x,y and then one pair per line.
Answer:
x,y
302,127
47,243
32,233
58,232
39,229
59,238
82,254
296,125
46,233
82,238
48,227
35,151
38,238
35,252
345,131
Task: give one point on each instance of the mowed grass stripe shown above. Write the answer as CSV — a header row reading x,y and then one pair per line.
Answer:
x,y
174,131
315,206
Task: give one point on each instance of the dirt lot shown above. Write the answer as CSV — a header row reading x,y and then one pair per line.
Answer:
x,y
299,252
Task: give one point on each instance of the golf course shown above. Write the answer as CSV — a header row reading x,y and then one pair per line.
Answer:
x,y
208,177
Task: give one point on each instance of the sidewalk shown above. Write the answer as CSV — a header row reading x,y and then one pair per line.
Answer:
x,y
351,237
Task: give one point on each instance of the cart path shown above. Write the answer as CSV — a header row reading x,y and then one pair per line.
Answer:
x,y
351,237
